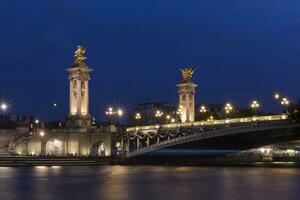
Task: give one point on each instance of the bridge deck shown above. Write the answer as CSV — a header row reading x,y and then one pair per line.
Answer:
x,y
197,134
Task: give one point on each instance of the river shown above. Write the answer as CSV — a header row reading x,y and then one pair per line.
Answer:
x,y
148,182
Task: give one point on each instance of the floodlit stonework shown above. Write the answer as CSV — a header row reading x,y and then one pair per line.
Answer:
x,y
186,92
79,116
79,138
64,142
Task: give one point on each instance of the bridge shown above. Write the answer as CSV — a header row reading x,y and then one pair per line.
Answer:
x,y
238,134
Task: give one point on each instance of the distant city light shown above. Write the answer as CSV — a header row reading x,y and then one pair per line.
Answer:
x,y
138,116
203,109
276,96
159,113
255,104
42,133
228,108
285,101
4,106
120,112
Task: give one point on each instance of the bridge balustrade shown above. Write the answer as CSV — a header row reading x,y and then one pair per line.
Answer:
x,y
184,134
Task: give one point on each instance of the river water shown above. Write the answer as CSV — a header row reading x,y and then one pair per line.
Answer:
x,y
149,182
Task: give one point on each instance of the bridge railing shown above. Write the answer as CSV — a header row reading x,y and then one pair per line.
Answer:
x,y
208,123
209,134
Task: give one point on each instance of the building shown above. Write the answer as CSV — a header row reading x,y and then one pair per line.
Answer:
x,y
153,113
78,137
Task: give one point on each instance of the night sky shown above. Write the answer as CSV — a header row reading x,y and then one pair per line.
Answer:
x,y
243,49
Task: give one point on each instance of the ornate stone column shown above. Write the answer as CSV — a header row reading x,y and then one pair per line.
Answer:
x,y
186,92
79,76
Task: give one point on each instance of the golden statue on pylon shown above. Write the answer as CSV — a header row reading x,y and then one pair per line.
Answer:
x,y
187,73
79,55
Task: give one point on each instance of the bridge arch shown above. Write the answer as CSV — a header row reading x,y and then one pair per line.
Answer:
x,y
239,138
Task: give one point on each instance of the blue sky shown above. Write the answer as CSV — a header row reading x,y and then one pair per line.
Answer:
x,y
243,49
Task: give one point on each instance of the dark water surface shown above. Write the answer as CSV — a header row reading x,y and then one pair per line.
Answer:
x,y
149,182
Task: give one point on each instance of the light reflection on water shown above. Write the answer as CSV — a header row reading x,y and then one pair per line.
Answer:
x,y
148,182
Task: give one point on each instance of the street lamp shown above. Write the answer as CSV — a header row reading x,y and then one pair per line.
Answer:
x,y
109,113
159,114
120,112
210,119
42,133
255,105
4,106
276,96
285,102
203,109
138,118
179,112
228,108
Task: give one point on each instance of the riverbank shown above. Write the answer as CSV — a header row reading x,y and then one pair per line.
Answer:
x,y
53,161
90,161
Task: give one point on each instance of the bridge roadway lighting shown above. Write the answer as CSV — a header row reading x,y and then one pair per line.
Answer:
x,y
138,116
211,118
255,105
110,111
285,102
158,113
203,109
228,108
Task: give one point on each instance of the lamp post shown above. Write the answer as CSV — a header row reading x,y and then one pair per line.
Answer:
x,y
119,114
276,96
228,109
109,113
285,102
211,118
3,107
203,110
255,105
168,118
138,118
158,115
179,113
42,133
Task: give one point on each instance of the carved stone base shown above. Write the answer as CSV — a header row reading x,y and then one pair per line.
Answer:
x,y
79,122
